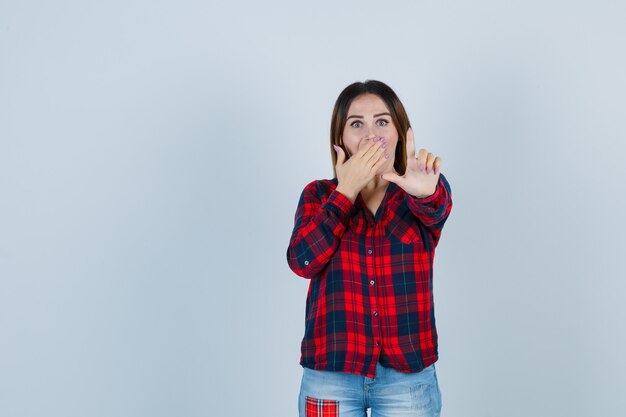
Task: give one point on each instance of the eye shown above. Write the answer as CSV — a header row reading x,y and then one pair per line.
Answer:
x,y
355,123
382,122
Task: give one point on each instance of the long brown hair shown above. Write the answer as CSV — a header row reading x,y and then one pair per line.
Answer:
x,y
393,103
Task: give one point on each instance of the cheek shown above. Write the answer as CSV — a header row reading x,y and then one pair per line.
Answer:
x,y
350,148
393,142
351,144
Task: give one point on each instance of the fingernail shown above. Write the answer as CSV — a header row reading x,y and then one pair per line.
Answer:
x,y
386,156
421,167
336,148
382,138
376,139
384,145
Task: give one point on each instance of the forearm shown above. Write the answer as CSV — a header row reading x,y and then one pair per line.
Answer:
x,y
433,210
318,229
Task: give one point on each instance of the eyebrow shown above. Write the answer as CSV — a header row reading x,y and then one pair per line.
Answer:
x,y
376,115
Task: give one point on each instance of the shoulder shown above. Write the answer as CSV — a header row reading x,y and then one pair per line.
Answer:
x,y
321,188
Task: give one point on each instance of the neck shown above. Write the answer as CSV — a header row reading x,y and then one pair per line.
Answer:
x,y
378,183
375,184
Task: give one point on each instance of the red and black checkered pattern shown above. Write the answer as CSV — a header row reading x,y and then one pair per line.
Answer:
x,y
321,408
370,294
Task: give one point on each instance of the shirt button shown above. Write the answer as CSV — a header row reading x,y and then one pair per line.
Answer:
x,y
377,343
306,262
375,313
372,282
369,251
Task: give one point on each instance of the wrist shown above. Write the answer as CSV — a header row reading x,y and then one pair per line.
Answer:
x,y
350,194
425,195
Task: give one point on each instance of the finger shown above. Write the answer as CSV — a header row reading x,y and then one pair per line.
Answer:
x,y
363,149
430,158
379,154
410,145
372,149
393,177
437,164
411,158
421,159
341,155
378,165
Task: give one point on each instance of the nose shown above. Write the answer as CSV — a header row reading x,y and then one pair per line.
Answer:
x,y
371,133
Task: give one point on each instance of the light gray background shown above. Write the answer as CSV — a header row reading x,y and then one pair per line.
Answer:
x,y
151,159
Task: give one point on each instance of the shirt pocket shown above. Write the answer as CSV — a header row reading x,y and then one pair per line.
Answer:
x,y
403,228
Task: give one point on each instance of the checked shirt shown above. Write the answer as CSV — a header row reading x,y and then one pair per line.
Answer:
x,y
370,295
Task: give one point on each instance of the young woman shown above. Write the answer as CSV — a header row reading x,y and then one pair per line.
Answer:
x,y
366,240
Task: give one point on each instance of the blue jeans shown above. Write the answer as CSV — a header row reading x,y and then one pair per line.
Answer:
x,y
391,393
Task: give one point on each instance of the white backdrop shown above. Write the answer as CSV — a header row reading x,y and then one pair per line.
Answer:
x,y
152,154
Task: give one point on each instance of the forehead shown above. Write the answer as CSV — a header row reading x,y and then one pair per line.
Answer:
x,y
367,104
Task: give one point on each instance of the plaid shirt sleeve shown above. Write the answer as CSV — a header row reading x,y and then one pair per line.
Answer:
x,y
432,211
318,227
